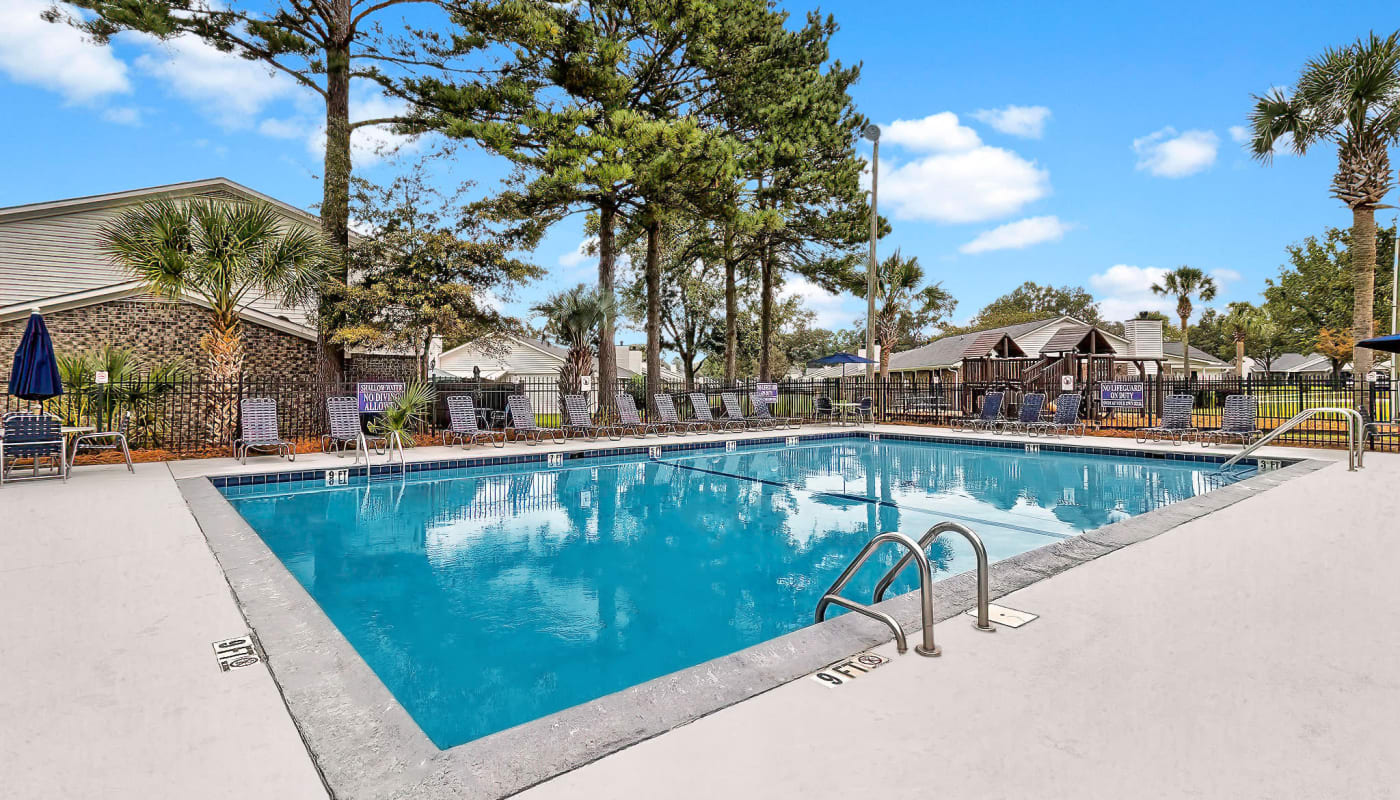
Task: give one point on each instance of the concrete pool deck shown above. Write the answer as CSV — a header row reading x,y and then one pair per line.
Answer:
x,y
1227,617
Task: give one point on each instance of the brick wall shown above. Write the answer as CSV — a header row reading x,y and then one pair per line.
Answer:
x,y
158,331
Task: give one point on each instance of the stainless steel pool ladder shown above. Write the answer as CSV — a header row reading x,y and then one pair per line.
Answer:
x,y
914,551
1356,435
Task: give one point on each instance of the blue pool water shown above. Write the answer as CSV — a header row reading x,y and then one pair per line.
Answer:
x,y
488,597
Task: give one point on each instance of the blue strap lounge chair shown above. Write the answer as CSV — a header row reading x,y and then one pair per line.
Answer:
x,y
1240,420
988,420
1066,417
1028,415
36,438
1177,425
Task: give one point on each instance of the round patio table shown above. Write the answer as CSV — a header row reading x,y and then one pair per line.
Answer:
x,y
845,408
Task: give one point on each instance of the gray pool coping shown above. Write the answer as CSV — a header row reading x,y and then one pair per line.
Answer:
x,y
367,746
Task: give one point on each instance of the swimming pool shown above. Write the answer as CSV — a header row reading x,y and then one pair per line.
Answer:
x,y
487,597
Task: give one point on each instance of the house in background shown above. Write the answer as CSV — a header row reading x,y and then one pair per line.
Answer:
x,y
1311,366
51,259
942,359
518,357
1203,364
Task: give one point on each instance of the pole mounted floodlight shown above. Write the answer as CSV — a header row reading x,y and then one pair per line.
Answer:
x,y
872,132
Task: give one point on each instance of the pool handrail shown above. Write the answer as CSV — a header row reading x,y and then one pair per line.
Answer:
x,y
1356,440
983,589
833,595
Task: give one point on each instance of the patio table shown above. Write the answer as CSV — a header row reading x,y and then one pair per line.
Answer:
x,y
845,409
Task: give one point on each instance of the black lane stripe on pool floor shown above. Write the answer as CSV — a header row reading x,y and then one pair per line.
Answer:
x,y
888,503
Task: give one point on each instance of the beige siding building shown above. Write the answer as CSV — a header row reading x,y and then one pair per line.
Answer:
x,y
51,259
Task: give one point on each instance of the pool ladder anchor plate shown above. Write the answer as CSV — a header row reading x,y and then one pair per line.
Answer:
x,y
916,552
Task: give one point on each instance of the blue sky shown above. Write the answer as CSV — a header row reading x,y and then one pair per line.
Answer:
x,y
1086,143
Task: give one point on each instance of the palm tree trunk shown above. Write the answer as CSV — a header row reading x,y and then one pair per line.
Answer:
x,y
1239,356
223,349
1363,288
1185,348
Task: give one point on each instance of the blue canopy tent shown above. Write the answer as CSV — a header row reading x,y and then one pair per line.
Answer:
x,y
34,373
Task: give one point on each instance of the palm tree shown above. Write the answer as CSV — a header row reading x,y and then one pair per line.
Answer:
x,y
1183,283
574,317
228,254
1242,322
1349,96
902,304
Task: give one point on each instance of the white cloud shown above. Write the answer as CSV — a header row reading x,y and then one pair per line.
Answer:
x,y
56,56
1223,276
1169,154
971,186
1024,121
1018,234
1239,134
832,311
1124,290
580,265
368,145
122,115
584,255
935,133
231,90
291,128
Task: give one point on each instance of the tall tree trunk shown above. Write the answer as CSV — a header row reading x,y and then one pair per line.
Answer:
x,y
653,278
1186,348
607,352
223,349
1239,356
731,309
765,313
1363,289
335,187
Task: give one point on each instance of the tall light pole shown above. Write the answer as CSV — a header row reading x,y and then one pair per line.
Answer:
x,y
872,132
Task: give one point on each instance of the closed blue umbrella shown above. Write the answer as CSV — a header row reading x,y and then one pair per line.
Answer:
x,y
34,374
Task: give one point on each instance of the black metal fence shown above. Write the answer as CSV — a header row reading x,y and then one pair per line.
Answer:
x,y
177,416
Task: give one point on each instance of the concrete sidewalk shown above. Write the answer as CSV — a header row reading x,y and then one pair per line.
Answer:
x,y
1248,654
1221,659
110,689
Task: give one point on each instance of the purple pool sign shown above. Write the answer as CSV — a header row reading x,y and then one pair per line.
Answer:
x,y
1121,395
375,397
